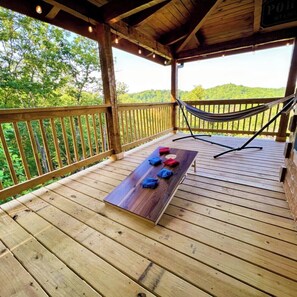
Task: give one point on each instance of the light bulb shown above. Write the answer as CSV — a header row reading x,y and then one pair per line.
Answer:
x,y
38,9
117,40
139,51
90,29
154,55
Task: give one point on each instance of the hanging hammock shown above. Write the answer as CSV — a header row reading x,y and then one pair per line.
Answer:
x,y
231,116
288,101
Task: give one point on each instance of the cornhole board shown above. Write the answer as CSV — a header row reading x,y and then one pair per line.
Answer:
x,y
150,204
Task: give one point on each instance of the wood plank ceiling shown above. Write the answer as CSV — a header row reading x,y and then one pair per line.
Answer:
x,y
184,30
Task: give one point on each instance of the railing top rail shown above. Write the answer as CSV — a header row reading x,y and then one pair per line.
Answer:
x,y
232,101
145,104
26,114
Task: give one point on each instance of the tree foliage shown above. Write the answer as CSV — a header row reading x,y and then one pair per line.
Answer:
x,y
42,65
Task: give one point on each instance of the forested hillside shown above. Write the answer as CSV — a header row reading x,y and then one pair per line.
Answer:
x,y
227,91
232,91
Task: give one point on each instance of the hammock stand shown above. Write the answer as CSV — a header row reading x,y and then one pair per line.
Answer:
x,y
290,101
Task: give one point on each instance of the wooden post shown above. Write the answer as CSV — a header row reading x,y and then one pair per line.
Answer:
x,y
174,92
109,87
290,89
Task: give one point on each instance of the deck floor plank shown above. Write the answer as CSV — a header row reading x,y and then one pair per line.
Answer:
x,y
23,283
227,232
52,274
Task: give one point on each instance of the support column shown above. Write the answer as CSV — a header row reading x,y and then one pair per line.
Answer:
x,y
290,89
109,88
174,92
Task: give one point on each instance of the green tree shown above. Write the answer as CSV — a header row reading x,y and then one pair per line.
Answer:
x,y
196,94
32,61
84,74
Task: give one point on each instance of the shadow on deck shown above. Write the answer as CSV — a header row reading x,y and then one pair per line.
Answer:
x,y
227,232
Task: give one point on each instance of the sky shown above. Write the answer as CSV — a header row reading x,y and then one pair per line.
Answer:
x,y
262,68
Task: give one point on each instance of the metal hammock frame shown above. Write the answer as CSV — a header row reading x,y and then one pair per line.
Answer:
x,y
288,101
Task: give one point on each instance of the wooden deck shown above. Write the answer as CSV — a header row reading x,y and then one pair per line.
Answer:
x,y
227,232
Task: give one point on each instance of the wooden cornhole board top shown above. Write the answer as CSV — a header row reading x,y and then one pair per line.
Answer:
x,y
150,204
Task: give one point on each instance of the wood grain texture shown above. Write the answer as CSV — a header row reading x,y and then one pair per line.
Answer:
x,y
226,232
150,203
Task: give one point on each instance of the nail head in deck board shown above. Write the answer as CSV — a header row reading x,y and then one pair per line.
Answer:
x,y
147,203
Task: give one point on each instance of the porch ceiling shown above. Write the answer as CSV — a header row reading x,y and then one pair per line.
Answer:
x,y
185,30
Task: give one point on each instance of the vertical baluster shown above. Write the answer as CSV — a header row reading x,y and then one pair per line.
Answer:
x,y
7,156
153,112
203,122
74,139
45,145
198,119
224,107
123,128
95,133
269,117
233,109
256,122
131,126
237,122
103,139
157,119
163,118
147,124
34,147
21,150
250,119
135,124
65,139
208,123
138,123
276,123
56,143
144,124
82,140
262,121
126,126
89,135
101,132
106,136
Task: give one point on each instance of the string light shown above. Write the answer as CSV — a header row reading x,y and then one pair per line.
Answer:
x,y
38,9
90,28
117,38
154,55
139,50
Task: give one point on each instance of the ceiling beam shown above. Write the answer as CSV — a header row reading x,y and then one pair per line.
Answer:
x,y
197,20
140,17
113,12
53,13
239,45
257,15
137,37
91,13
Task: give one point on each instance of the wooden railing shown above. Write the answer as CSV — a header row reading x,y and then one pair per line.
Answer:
x,y
142,122
245,126
37,145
